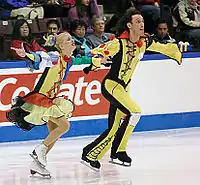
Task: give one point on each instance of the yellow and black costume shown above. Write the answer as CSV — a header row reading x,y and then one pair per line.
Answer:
x,y
124,113
37,106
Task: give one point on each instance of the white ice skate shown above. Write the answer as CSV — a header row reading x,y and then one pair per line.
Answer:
x,y
39,154
36,168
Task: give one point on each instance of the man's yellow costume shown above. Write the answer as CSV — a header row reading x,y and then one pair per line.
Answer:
x,y
124,112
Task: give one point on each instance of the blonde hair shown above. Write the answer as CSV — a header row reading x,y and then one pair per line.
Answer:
x,y
60,39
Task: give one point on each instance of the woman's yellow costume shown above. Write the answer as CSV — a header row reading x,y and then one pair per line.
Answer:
x,y
37,106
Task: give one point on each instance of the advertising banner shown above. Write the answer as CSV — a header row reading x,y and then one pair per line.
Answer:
x,y
83,90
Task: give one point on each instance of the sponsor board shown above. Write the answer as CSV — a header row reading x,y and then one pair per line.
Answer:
x,y
83,90
167,94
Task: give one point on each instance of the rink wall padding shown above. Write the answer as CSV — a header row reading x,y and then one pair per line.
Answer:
x,y
97,126
168,95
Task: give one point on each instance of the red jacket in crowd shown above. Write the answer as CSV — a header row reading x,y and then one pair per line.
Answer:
x,y
18,47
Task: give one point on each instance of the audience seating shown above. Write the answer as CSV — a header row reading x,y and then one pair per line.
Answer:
x,y
6,27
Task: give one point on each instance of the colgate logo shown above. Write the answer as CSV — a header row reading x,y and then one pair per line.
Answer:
x,y
73,92
83,90
4,84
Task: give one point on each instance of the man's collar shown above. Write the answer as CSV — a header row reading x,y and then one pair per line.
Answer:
x,y
124,35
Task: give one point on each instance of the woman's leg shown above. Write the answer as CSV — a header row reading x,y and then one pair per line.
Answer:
x,y
62,126
51,126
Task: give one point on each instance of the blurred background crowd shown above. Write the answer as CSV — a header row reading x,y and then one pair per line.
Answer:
x,y
30,23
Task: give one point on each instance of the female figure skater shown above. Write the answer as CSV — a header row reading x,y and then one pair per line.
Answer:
x,y
42,106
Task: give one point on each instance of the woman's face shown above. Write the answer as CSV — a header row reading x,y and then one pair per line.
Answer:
x,y
68,45
85,2
79,32
24,30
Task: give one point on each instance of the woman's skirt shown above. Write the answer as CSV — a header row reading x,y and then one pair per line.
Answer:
x,y
35,109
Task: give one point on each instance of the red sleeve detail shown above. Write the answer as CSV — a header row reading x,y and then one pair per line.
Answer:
x,y
102,46
106,52
112,37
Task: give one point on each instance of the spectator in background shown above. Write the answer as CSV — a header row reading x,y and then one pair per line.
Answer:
x,y
6,6
48,40
78,30
31,9
162,34
85,10
99,36
151,12
120,7
187,21
27,9
23,40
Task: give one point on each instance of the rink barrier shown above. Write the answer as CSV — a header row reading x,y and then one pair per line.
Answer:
x,y
170,116
97,126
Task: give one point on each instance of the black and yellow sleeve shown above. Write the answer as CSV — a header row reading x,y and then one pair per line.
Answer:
x,y
170,49
108,49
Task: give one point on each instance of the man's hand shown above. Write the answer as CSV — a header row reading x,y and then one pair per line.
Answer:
x,y
106,60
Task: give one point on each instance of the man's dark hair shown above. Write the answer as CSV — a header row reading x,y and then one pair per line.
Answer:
x,y
161,21
53,21
122,23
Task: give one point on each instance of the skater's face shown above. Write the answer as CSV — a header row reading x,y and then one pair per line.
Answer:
x,y
136,25
162,30
24,30
66,44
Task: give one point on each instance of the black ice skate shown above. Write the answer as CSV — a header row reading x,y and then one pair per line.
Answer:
x,y
121,158
94,165
36,168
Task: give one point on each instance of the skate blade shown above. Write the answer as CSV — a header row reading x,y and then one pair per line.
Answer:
x,y
88,165
118,162
36,160
33,173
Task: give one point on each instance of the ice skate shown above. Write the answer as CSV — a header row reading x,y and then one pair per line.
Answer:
x,y
121,158
94,165
39,154
36,168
